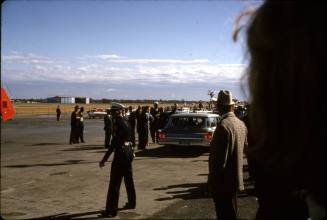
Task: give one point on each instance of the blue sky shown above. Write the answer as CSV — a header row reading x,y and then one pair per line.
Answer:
x,y
121,49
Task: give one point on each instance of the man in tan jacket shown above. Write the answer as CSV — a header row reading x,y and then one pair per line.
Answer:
x,y
226,158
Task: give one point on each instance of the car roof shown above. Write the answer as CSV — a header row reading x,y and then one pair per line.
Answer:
x,y
194,115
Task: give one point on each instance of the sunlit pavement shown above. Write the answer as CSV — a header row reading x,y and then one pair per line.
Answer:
x,y
43,177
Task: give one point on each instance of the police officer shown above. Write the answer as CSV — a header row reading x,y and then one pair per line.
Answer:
x,y
108,129
121,166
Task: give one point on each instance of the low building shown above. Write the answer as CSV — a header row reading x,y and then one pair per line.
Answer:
x,y
68,100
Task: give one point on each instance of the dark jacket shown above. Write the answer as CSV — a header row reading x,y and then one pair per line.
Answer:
x,y
121,132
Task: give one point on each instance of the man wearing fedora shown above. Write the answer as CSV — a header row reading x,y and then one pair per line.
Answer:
x,y
226,158
121,165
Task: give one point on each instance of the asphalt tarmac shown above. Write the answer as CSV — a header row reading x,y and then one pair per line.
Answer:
x,y
43,177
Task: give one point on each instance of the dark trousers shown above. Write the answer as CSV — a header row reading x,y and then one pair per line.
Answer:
x,y
73,138
154,133
120,169
81,133
107,139
133,135
226,205
143,138
58,117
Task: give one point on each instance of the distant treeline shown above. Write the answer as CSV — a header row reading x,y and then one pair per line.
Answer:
x,y
105,101
139,101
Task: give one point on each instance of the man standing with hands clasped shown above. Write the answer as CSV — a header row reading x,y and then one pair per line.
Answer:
x,y
226,158
122,163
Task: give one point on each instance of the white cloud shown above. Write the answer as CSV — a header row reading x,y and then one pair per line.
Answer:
x,y
16,57
126,70
147,61
111,90
100,56
108,56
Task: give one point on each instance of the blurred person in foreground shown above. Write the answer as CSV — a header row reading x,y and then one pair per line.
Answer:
x,y
225,177
287,50
121,166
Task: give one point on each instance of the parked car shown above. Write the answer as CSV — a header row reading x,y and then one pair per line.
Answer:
x,y
186,129
97,113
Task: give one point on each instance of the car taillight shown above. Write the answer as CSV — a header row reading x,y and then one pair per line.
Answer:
x,y
207,136
162,135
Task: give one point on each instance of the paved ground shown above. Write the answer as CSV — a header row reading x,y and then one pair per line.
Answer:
x,y
43,177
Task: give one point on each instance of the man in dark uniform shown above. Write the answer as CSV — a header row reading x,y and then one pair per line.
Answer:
x,y
108,129
73,139
155,122
121,166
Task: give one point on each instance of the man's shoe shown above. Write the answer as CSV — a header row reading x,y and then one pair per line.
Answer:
x,y
129,206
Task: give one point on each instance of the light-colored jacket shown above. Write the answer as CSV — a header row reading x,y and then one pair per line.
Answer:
x,y
226,155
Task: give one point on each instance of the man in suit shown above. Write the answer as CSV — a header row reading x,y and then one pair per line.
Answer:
x,y
73,139
226,158
58,111
154,111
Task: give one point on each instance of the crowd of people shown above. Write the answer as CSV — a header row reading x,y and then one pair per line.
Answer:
x,y
283,135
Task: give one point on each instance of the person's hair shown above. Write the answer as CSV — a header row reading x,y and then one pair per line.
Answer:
x,y
287,50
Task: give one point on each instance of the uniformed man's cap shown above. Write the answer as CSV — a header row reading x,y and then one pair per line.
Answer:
x,y
117,106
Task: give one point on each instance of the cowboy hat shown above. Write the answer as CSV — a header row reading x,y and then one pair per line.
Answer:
x,y
225,98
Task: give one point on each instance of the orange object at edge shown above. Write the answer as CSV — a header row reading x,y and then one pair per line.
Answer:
x,y
6,107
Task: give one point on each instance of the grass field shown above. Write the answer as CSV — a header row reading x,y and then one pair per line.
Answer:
x,y
50,108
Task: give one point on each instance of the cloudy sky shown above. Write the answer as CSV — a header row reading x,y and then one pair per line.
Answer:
x,y
121,49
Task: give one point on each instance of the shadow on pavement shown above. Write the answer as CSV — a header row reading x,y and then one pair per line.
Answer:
x,y
64,216
67,162
185,191
42,144
168,151
85,147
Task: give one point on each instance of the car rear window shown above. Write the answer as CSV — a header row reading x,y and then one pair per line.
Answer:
x,y
192,122
212,121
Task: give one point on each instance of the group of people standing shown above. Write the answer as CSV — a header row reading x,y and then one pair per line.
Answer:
x,y
142,121
77,126
286,149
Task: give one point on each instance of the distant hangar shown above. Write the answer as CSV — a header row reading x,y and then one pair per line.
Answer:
x,y
69,100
